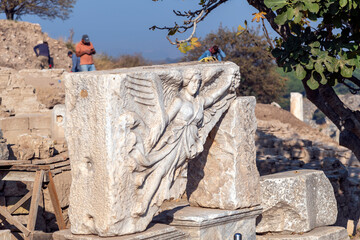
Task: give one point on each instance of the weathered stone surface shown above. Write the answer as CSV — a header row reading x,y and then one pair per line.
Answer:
x,y
158,231
321,233
58,122
5,235
214,224
62,183
130,133
296,201
33,146
4,151
225,175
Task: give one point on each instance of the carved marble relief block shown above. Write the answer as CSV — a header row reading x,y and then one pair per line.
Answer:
x,y
131,133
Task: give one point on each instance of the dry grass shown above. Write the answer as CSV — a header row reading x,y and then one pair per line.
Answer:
x,y
104,61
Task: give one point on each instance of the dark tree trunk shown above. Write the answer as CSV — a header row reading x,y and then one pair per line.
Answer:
x,y
346,120
9,14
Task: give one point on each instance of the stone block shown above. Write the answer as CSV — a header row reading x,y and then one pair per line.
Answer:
x,y
12,136
14,123
225,175
58,122
5,234
42,132
157,231
296,202
214,224
130,133
321,233
40,121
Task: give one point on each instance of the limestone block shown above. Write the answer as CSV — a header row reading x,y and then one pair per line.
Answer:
x,y
214,224
5,234
40,121
296,201
130,133
321,233
46,132
14,123
12,136
225,175
58,122
157,231
4,151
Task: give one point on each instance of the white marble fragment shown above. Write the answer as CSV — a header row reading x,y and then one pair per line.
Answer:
x,y
296,202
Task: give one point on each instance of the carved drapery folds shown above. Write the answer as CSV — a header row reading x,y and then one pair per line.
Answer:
x,y
130,134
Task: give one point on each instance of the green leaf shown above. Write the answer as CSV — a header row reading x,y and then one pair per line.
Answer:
x,y
323,80
315,51
275,4
290,13
312,83
310,65
329,66
319,67
281,18
314,7
343,3
300,72
315,44
346,72
298,16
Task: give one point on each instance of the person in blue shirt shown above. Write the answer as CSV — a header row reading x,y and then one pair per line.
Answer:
x,y
214,51
75,62
43,54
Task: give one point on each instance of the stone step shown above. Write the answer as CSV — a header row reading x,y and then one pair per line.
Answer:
x,y
321,233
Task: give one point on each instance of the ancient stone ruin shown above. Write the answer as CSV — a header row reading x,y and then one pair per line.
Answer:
x,y
139,138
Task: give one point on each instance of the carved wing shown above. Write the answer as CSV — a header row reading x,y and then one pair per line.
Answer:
x,y
145,97
213,80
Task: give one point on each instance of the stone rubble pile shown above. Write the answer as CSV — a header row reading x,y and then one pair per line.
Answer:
x,y
18,40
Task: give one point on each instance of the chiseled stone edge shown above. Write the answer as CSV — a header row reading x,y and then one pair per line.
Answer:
x,y
207,217
321,233
158,231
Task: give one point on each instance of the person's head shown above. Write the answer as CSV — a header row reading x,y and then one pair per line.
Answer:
x,y
192,82
45,42
70,53
214,49
85,39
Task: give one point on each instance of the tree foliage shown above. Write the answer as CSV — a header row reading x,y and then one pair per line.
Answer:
x,y
319,41
47,9
249,51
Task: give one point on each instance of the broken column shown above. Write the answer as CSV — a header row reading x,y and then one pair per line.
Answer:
x,y
296,105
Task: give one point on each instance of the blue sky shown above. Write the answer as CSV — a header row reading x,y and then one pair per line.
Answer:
x,y
118,27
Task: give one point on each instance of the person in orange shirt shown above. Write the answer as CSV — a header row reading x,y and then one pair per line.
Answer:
x,y
85,50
